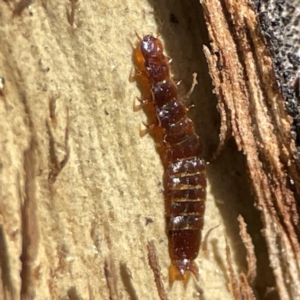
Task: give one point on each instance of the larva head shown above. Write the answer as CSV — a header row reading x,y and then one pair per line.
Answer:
x,y
151,47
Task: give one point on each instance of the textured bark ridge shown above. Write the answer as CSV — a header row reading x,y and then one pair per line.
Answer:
x,y
279,22
254,113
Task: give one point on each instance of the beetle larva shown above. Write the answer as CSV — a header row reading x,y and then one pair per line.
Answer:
x,y
184,175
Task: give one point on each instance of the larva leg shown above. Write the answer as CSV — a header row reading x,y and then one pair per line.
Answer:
x,y
150,126
169,59
134,73
194,83
147,128
142,102
178,82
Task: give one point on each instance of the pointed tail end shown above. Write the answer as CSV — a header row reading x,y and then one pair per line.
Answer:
x,y
178,270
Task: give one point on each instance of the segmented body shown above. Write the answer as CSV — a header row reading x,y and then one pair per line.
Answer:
x,y
184,175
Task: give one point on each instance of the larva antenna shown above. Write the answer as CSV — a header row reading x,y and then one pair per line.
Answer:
x,y
137,35
130,42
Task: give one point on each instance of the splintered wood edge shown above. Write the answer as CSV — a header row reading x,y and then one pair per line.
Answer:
x,y
251,258
252,108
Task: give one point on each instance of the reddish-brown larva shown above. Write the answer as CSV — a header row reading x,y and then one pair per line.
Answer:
x,y
184,175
